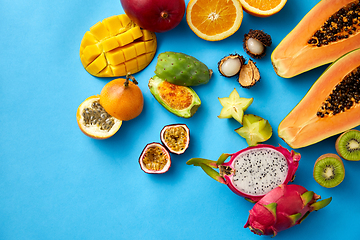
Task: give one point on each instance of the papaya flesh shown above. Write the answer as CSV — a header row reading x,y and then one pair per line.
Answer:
x,y
330,107
328,31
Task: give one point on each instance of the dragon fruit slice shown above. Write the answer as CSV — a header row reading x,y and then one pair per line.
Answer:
x,y
282,208
253,171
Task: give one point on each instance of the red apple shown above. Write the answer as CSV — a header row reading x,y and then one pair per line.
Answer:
x,y
155,15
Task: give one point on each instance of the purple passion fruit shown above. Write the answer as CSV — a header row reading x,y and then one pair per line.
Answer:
x,y
175,137
155,159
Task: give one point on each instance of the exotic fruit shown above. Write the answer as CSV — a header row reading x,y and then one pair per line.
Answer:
x,y
176,138
331,106
282,208
94,121
122,98
155,15
255,43
179,100
182,69
155,159
230,65
116,47
327,32
253,171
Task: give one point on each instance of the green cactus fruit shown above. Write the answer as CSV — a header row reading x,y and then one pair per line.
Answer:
x,y
255,129
179,100
182,69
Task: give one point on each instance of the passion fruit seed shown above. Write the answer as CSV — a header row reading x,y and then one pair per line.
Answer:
x,y
341,25
176,138
154,158
344,96
230,65
96,115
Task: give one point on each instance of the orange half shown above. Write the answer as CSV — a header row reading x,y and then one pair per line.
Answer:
x,y
214,20
262,8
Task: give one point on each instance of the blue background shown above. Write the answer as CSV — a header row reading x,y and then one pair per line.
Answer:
x,y
56,183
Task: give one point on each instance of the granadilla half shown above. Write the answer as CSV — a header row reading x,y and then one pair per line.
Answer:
x,y
255,43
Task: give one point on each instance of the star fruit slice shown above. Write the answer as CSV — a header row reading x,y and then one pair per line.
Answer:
x,y
255,129
234,106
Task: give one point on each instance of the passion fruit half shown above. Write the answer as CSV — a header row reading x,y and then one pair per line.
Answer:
x,y
94,121
175,138
155,159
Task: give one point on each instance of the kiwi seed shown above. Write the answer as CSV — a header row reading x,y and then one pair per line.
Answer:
x,y
348,145
329,170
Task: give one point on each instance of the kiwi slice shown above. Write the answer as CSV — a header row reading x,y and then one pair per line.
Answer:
x,y
329,170
348,145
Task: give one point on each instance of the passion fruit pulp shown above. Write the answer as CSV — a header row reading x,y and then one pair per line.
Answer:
x,y
155,159
94,121
175,137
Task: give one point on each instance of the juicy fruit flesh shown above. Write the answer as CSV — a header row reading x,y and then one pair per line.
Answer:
x,y
341,25
259,171
255,46
344,96
116,47
154,158
263,5
222,15
177,97
176,138
348,145
96,115
329,172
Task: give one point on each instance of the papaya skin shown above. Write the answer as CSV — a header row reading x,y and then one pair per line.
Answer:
x,y
302,127
294,56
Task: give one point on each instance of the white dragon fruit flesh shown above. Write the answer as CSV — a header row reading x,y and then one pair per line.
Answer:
x,y
253,171
282,208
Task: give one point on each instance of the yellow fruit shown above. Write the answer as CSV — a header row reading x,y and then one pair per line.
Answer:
x,y
117,47
262,8
214,20
94,121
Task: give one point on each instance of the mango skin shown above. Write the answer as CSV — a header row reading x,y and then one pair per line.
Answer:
x,y
182,69
179,100
116,47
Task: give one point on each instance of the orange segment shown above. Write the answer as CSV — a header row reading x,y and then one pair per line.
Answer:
x,y
214,20
262,8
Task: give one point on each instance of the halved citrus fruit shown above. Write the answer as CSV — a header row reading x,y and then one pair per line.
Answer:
x,y
262,8
94,121
214,20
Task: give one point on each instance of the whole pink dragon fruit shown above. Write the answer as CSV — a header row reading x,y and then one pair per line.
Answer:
x,y
282,208
253,171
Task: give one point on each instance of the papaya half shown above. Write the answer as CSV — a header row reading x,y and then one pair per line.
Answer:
x,y
330,107
328,31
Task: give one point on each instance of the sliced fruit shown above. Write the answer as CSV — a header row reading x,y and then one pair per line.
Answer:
x,y
94,121
155,159
230,65
348,145
255,129
234,106
214,20
176,138
262,8
328,31
179,100
330,107
329,170
116,47
122,98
